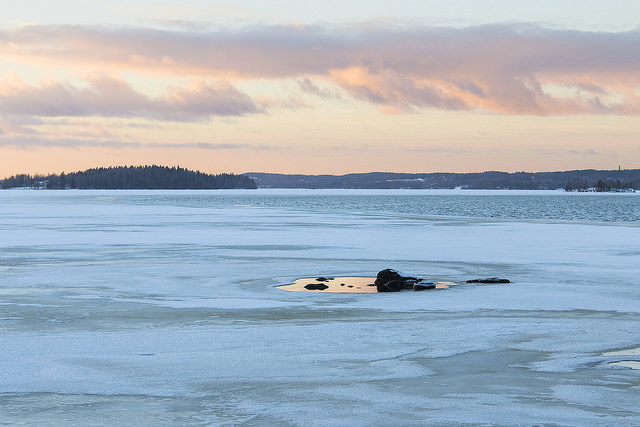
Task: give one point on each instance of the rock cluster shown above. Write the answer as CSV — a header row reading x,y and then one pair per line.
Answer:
x,y
389,280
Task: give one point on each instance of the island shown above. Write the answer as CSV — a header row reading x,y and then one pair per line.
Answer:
x,y
131,178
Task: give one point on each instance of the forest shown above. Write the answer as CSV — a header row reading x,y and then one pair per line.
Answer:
x,y
130,177
577,180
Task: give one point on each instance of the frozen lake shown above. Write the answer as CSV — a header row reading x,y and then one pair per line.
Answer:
x,y
161,308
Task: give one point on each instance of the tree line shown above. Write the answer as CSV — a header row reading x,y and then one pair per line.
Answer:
x,y
578,180
606,185
131,177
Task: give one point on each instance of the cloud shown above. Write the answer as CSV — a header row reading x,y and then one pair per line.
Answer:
x,y
111,97
18,125
563,152
390,88
507,68
23,142
308,86
583,152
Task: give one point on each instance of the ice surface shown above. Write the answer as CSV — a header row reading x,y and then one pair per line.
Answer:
x,y
121,307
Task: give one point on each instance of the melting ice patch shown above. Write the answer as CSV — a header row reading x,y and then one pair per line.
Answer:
x,y
629,358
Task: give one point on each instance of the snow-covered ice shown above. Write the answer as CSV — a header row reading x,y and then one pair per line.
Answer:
x,y
161,308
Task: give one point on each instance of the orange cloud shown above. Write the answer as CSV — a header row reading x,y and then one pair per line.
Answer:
x,y
512,69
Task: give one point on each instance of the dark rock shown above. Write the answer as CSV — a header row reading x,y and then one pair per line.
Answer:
x,y
423,286
390,274
391,286
322,279
389,280
341,284
316,286
489,280
350,286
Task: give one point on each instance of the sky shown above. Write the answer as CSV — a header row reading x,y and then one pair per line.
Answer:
x,y
320,87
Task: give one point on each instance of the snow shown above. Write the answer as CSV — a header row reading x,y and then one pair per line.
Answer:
x,y
163,308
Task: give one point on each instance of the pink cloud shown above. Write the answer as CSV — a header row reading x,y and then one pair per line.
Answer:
x,y
110,97
500,68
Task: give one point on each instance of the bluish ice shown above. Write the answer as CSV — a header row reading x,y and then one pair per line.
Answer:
x,y
161,308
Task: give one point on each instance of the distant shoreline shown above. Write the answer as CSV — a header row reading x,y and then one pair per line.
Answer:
x,y
588,180
337,191
176,178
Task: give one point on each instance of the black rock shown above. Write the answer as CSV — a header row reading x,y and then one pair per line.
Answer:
x,y
423,286
316,286
322,279
489,280
390,274
389,280
390,286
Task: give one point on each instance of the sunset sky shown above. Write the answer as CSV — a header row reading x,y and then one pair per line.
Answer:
x,y
320,87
